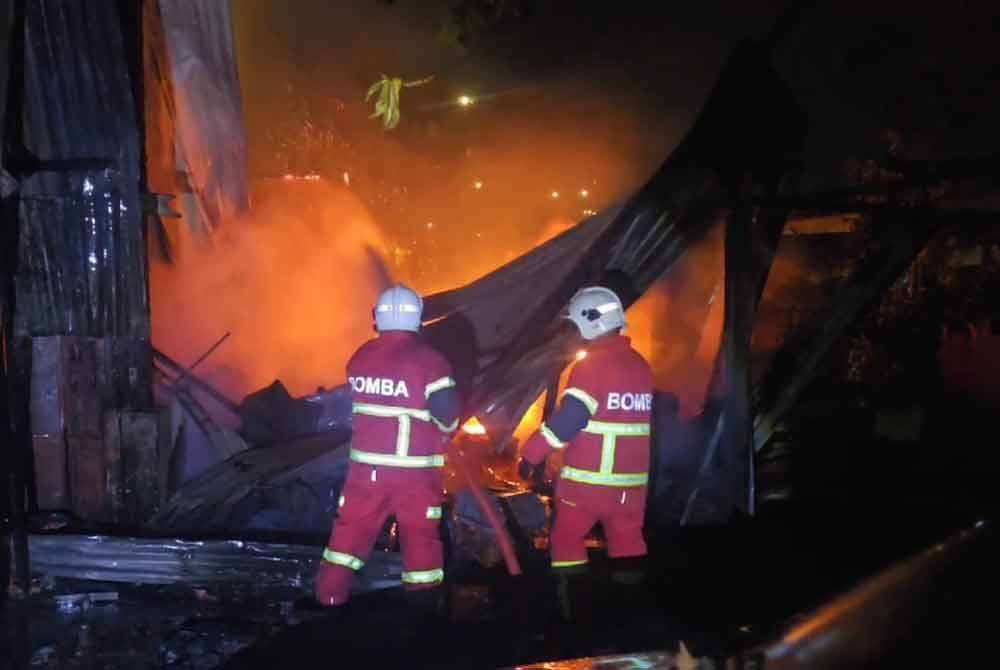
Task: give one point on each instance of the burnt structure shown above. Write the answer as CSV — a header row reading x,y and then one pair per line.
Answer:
x,y
81,85
76,313
97,123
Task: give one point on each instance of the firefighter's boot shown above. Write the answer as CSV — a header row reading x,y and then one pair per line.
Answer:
x,y
577,597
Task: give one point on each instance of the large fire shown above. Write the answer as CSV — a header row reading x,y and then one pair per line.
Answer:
x,y
293,283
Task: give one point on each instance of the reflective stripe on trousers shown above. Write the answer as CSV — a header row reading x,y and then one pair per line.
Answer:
x,y
342,559
423,576
606,476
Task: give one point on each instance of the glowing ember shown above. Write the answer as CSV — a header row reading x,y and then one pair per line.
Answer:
x,y
580,355
465,100
473,427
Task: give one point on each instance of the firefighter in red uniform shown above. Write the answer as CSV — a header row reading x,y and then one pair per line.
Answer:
x,y
404,407
602,425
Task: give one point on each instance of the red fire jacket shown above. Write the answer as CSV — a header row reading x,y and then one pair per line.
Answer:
x,y
392,378
612,390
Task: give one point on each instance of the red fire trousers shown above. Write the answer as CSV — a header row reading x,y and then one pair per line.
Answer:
x,y
370,496
579,507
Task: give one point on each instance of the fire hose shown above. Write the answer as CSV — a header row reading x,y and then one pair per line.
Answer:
x,y
503,537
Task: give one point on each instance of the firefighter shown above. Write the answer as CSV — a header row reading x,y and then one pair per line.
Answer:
x,y
405,405
602,426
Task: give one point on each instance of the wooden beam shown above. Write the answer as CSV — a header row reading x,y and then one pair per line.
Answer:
x,y
751,243
734,447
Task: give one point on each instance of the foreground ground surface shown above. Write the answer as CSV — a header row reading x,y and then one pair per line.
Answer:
x,y
718,589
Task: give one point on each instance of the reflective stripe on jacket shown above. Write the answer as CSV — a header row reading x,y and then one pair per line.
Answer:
x,y
391,379
615,384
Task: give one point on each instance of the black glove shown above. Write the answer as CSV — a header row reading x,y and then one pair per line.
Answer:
x,y
530,472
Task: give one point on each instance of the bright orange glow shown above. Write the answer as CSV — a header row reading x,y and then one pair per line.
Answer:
x,y
555,194
270,280
584,193
473,427
531,420
580,355
478,185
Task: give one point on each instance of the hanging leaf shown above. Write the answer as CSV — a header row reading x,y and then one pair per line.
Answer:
x,y
387,103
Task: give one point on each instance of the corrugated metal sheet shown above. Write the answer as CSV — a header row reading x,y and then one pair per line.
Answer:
x,y
194,115
197,562
82,249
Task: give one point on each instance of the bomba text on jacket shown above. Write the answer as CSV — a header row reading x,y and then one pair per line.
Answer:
x,y
389,388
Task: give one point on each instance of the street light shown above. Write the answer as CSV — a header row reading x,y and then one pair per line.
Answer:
x,y
465,100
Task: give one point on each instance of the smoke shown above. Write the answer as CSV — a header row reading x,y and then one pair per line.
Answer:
x,y
293,282
448,196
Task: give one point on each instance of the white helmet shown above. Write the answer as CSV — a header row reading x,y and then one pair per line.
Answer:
x,y
398,308
596,311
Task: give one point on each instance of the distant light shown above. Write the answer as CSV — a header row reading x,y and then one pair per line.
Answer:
x,y
465,100
88,186
473,427
580,355
478,185
289,177
430,224
555,194
312,177
584,193
347,179
589,212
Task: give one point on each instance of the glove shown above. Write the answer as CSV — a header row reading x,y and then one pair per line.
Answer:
x,y
530,472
